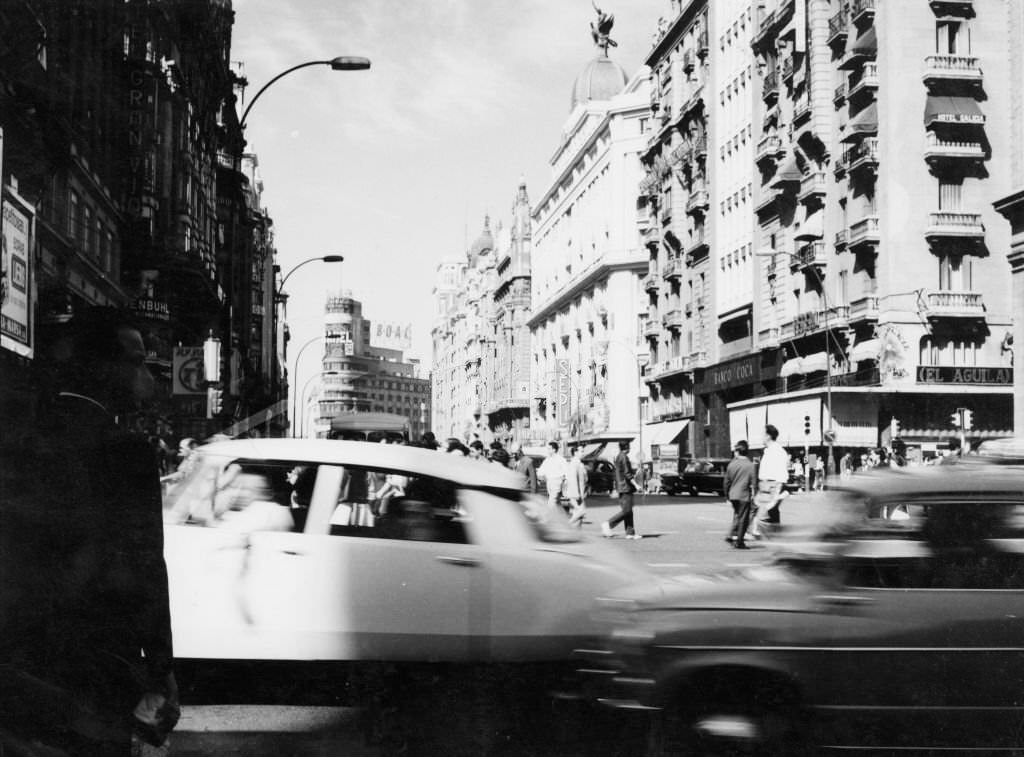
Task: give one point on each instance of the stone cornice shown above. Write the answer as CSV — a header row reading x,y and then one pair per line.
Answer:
x,y
599,270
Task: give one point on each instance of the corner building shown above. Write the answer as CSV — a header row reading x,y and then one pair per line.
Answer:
x,y
588,305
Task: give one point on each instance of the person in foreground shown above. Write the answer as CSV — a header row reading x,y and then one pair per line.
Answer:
x,y
772,475
87,655
740,483
624,487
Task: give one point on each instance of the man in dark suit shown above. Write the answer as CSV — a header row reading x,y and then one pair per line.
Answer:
x,y
740,485
624,487
102,635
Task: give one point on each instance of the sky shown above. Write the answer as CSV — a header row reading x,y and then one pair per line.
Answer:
x,y
396,167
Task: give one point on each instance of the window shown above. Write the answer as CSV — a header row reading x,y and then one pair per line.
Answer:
x,y
951,37
86,231
954,273
950,194
74,208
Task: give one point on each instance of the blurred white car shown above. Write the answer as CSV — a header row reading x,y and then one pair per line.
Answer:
x,y
274,552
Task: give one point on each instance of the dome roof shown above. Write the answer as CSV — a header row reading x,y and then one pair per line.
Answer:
x,y
483,244
602,79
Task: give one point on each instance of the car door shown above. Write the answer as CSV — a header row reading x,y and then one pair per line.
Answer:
x,y
922,645
398,587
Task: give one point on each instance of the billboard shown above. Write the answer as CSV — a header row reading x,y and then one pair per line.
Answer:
x,y
189,374
16,277
395,336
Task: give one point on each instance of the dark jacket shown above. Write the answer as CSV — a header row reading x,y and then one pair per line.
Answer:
x,y
740,479
623,470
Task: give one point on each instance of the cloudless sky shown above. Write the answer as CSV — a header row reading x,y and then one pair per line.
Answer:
x,y
395,167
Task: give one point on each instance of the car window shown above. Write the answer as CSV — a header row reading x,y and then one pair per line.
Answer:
x,y
390,504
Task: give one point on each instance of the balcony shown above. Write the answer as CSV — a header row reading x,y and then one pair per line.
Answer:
x,y
673,319
768,148
786,68
688,61
867,80
837,28
699,359
698,201
947,224
673,269
839,96
863,155
769,338
945,304
770,88
767,201
652,326
841,163
650,282
862,9
801,108
702,45
864,308
807,255
672,365
813,187
864,232
952,68
699,301
937,149
698,244
700,148
952,7
840,241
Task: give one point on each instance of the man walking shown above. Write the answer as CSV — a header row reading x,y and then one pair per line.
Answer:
x,y
772,476
553,470
739,488
576,487
624,487
523,465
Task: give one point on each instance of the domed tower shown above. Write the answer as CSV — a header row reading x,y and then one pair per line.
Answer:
x,y
602,78
484,244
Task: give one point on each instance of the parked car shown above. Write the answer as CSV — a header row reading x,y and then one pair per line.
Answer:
x,y
600,475
280,549
696,476
898,627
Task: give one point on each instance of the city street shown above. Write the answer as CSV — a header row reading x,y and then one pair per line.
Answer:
x,y
679,534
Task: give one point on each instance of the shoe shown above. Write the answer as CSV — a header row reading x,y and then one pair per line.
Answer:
x,y
606,531
740,545
730,539
634,536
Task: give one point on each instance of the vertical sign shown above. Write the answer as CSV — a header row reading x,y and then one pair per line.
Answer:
x,y
562,397
16,277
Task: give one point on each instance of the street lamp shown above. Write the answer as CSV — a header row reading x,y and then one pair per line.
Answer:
x,y
322,258
341,63
294,388
830,433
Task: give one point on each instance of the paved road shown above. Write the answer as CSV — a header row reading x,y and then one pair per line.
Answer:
x,y
680,534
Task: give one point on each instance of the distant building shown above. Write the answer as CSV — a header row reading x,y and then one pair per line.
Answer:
x,y
359,377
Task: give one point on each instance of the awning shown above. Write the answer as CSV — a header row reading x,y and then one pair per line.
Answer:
x,y
863,124
952,110
867,350
663,433
865,46
789,171
813,226
592,450
792,367
815,362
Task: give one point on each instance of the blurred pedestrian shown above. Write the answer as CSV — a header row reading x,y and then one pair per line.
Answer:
x,y
523,465
740,484
476,450
772,475
624,487
576,487
428,440
553,471
101,637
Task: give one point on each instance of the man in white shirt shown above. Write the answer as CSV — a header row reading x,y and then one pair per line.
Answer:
x,y
553,471
772,475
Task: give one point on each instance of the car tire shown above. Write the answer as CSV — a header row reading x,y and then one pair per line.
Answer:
x,y
718,727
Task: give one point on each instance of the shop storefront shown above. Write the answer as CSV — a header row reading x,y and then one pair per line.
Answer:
x,y
717,388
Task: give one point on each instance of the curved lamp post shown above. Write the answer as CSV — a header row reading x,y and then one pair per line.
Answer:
x,y
829,433
295,389
341,63
323,258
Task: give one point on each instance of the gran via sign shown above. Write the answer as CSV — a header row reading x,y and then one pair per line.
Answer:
x,y
964,375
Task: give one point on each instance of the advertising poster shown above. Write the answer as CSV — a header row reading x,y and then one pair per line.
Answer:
x,y
189,376
16,278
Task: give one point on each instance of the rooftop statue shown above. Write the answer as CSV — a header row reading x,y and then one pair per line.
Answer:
x,y
600,30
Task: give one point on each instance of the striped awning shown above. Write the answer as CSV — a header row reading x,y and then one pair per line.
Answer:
x,y
792,367
788,172
812,227
817,361
866,350
865,123
947,109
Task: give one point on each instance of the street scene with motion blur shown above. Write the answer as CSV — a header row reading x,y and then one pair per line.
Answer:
x,y
492,378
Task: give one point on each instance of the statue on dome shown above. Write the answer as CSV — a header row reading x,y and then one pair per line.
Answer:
x,y
600,30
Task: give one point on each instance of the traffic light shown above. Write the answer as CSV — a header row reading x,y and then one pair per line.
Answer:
x,y
807,425
955,419
214,402
894,428
968,419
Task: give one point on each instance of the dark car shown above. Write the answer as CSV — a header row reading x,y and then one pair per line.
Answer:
x,y
600,476
898,628
696,476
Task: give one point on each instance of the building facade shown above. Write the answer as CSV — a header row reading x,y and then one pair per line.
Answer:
x,y
358,377
588,304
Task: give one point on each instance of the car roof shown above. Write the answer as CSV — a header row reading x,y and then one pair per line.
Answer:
x,y
943,482
414,460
